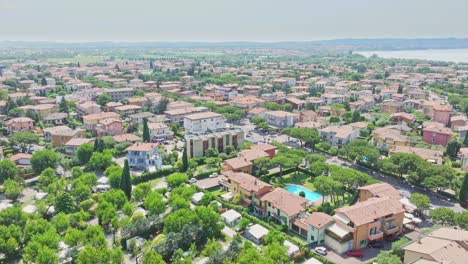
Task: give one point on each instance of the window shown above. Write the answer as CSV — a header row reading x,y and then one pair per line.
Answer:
x,y
312,238
373,231
363,242
269,204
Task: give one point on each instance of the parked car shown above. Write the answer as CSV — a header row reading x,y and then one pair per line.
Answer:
x,y
321,251
214,175
376,244
193,180
355,253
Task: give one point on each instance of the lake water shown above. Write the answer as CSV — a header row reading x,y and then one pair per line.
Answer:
x,y
453,55
309,195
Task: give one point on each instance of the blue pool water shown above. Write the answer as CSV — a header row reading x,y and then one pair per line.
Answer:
x,y
309,195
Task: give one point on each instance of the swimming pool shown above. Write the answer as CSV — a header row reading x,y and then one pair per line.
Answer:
x,y
309,195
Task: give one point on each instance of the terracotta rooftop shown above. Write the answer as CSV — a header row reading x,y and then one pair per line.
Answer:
x,y
203,115
285,201
126,138
318,219
382,190
370,210
246,181
141,146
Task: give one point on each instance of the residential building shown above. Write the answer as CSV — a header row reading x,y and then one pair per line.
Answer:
x,y
160,131
49,131
144,156
126,110
21,159
119,94
389,137
283,206
204,122
331,98
458,121
197,144
444,245
248,187
138,118
377,190
90,121
126,138
362,222
73,144
441,113
308,116
109,127
437,135
280,118
402,117
178,115
256,233
88,108
311,227
429,155
391,106
238,164
19,124
247,102
59,137
339,135
55,119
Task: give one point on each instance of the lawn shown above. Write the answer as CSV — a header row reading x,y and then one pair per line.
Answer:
x,y
298,179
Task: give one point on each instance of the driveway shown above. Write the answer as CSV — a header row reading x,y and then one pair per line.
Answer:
x,y
369,253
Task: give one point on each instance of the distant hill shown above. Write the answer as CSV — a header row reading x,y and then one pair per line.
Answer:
x,y
336,44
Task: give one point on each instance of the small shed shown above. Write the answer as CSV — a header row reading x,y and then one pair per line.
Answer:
x,y
231,217
197,197
256,233
291,248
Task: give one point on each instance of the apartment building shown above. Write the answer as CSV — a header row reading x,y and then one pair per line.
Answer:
x,y
280,118
19,124
160,131
247,186
204,122
119,94
366,221
178,115
197,144
90,121
339,135
144,156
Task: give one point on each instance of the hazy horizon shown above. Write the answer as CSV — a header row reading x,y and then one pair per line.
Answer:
x,y
230,21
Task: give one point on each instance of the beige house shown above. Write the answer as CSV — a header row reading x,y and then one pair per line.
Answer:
x,y
19,124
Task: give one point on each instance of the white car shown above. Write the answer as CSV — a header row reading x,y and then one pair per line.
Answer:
x,y
321,251
193,180
214,175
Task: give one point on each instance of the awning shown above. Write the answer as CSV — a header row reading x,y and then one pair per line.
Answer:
x,y
338,230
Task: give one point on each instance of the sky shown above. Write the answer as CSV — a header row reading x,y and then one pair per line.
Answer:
x,y
230,20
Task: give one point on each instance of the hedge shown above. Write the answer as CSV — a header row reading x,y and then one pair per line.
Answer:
x,y
204,175
152,175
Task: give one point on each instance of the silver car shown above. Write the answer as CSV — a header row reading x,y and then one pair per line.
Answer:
x,y
321,251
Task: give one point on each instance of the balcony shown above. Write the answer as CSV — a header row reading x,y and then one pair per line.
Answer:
x,y
375,236
391,230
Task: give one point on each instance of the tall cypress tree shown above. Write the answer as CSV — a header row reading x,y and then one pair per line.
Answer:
x,y
465,140
464,191
184,167
125,183
146,134
96,145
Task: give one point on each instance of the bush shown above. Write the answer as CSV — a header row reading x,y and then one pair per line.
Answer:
x,y
152,175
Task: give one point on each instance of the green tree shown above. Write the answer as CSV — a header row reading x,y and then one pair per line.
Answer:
x,y
176,179
63,106
453,147
64,203
100,161
23,140
463,196
152,257
125,181
43,159
146,133
103,99
84,152
386,258
12,189
443,216
461,219
106,212
154,203
421,201
184,166
8,170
